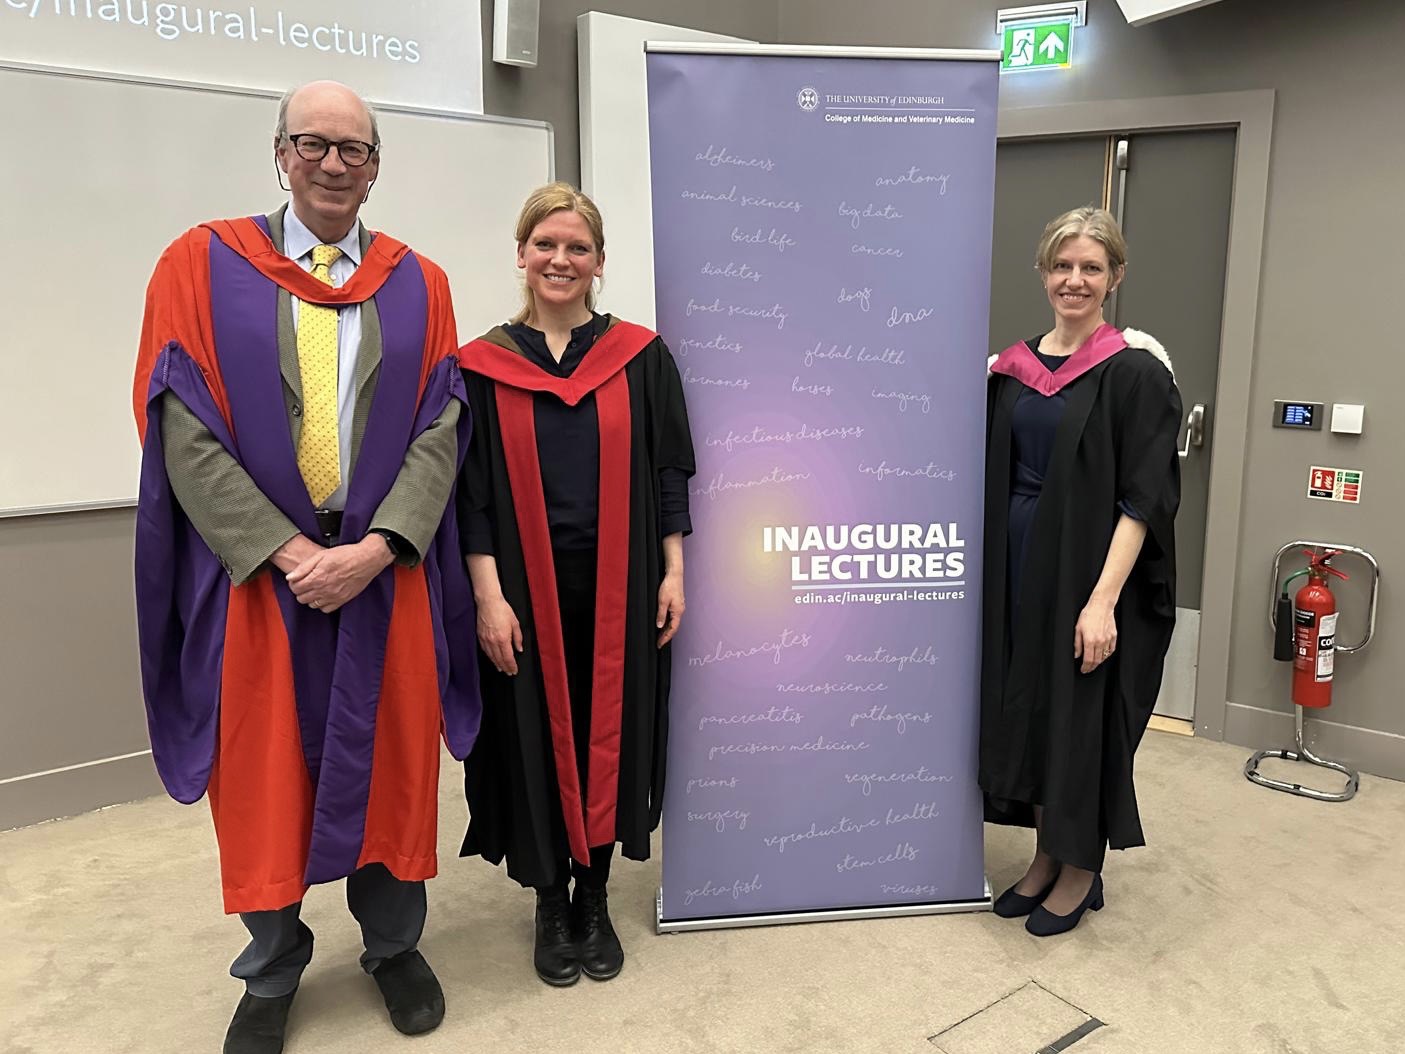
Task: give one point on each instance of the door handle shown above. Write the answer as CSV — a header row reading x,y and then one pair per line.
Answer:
x,y
1194,429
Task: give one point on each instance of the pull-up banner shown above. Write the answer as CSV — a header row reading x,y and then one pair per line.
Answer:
x,y
822,233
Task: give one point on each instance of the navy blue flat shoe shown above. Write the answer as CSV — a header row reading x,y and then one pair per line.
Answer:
x,y
1044,923
1012,905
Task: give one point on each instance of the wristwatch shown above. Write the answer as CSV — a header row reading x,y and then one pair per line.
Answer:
x,y
398,546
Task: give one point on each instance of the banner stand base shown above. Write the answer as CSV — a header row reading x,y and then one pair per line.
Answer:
x,y
786,918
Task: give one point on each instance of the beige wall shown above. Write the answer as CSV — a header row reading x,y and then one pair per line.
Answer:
x,y
1332,250
69,688
70,692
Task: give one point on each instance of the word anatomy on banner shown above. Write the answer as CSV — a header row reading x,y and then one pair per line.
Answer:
x,y
822,259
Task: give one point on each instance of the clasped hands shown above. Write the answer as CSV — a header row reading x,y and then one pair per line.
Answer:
x,y
325,579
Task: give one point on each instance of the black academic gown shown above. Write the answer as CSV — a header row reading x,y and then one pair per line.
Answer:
x,y
510,780
1051,735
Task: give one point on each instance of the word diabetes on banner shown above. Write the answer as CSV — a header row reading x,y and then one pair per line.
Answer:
x,y
822,241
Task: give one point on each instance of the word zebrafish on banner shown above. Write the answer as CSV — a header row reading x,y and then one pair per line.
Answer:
x,y
822,237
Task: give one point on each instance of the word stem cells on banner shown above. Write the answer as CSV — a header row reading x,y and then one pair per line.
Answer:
x,y
822,232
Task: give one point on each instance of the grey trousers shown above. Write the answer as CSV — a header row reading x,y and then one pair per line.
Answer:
x,y
391,914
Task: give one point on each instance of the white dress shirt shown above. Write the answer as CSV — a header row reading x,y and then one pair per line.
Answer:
x,y
298,243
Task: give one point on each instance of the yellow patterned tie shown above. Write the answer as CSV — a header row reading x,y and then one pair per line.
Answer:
x,y
319,458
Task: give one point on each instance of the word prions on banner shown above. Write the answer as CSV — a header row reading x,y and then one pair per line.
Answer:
x,y
825,699
871,563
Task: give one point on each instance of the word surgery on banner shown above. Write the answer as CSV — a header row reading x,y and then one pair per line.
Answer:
x,y
424,54
822,234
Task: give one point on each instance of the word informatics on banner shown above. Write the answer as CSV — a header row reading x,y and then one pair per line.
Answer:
x,y
822,261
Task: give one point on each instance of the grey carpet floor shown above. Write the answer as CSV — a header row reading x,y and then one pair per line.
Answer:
x,y
1255,922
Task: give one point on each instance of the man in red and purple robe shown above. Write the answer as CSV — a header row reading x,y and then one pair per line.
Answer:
x,y
305,621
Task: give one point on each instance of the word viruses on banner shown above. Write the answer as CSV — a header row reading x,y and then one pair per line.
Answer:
x,y
822,234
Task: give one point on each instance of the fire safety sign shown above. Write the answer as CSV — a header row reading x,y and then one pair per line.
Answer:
x,y
1334,484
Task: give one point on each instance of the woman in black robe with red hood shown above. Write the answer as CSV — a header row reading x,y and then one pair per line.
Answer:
x,y
1082,486
573,506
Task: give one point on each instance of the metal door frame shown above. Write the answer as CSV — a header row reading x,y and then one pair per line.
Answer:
x,y
1250,113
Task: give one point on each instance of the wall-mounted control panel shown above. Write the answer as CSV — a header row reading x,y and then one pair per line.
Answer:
x,y
1291,413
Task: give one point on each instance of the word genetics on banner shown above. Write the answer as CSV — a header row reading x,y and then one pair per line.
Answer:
x,y
822,263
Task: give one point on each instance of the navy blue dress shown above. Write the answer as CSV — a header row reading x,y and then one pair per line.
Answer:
x,y
1035,421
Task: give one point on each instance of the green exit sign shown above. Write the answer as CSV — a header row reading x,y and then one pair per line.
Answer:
x,y
1037,46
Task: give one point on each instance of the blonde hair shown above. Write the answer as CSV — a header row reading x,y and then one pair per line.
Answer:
x,y
541,203
1098,224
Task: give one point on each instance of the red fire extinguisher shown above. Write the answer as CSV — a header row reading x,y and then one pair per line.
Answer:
x,y
1315,633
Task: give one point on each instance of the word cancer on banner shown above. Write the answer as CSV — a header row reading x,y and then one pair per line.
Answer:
x,y
822,239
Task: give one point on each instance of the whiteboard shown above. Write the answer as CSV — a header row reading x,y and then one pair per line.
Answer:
x,y
93,188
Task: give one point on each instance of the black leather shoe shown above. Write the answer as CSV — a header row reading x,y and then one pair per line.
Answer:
x,y
555,954
1012,905
599,948
411,993
259,1025
1044,923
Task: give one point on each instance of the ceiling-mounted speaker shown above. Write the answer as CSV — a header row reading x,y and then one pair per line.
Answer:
x,y
515,31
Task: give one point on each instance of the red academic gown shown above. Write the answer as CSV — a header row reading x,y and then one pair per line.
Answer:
x,y
315,735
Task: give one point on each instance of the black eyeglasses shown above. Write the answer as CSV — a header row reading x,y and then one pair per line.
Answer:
x,y
311,147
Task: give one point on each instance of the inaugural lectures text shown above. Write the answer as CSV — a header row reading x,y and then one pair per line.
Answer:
x,y
867,552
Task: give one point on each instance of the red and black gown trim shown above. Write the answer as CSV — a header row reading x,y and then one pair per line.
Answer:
x,y
525,798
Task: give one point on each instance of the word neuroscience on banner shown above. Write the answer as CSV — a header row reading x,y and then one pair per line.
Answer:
x,y
822,245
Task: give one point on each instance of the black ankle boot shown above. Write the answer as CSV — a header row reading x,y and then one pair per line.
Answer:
x,y
555,955
599,948
259,1025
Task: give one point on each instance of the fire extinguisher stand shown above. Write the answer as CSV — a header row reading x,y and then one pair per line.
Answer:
x,y
1301,752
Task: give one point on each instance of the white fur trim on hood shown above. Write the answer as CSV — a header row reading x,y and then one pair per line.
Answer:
x,y
1135,338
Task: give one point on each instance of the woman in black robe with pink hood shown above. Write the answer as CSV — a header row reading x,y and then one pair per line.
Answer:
x,y
1082,486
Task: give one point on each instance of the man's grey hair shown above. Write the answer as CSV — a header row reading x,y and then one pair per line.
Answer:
x,y
282,128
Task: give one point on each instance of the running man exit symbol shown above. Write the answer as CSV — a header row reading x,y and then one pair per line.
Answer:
x,y
1022,48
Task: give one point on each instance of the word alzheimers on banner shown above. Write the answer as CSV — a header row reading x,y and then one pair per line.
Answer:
x,y
822,244
421,54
